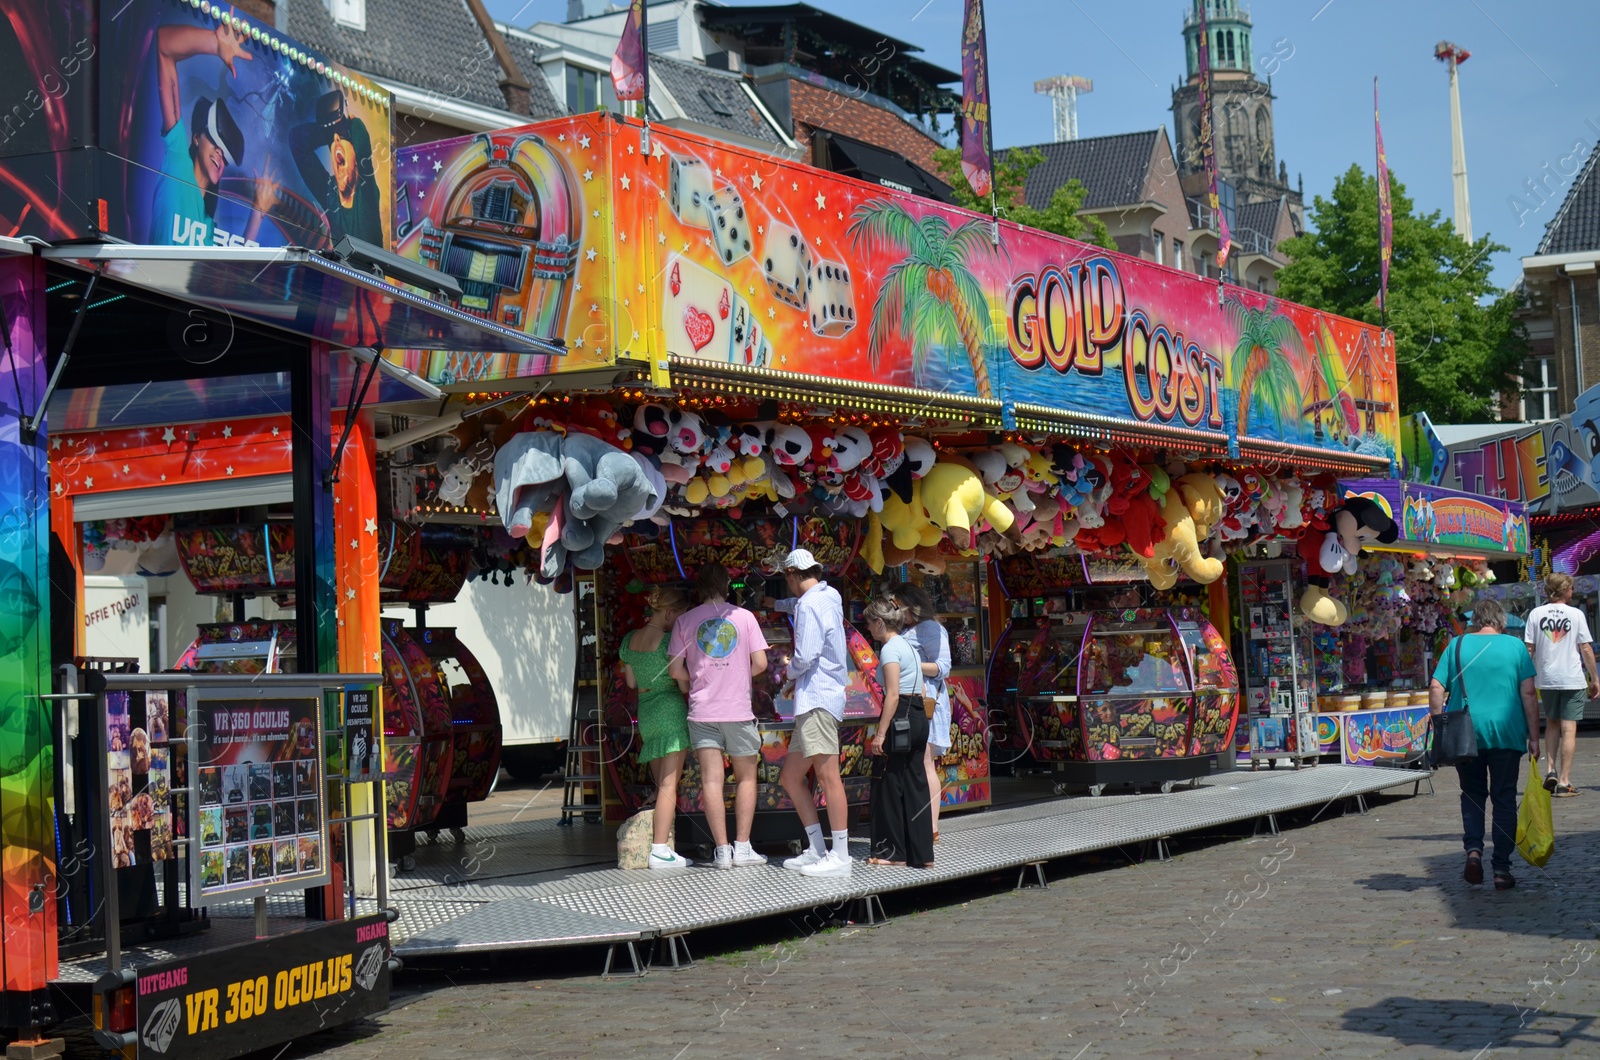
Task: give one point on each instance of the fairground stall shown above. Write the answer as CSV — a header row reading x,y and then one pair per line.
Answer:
x,y
1406,600
191,328
760,353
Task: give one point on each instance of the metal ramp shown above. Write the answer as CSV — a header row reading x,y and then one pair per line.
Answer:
x,y
519,900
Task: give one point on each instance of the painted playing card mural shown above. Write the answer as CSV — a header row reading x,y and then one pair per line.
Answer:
x,y
569,229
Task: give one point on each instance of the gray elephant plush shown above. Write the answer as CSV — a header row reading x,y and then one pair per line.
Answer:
x,y
606,489
528,478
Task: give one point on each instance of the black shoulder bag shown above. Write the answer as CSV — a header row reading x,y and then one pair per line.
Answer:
x,y
1453,735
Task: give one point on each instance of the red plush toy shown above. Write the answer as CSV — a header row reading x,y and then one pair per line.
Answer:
x,y
1143,523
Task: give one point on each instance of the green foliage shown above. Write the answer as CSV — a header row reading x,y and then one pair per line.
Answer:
x,y
1011,169
1456,344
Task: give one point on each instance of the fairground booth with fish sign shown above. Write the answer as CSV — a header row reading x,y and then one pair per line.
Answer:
x,y
761,356
200,708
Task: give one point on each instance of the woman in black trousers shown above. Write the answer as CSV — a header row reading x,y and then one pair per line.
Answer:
x,y
902,823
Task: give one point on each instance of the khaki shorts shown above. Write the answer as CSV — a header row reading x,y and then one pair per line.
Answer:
x,y
739,739
1563,704
816,732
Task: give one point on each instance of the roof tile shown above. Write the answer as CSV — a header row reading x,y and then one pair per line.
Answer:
x,y
1576,226
1112,168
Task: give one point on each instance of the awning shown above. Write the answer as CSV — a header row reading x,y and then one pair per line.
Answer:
x,y
863,161
301,292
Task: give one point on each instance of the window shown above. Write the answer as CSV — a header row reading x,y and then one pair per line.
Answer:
x,y
662,36
716,103
349,13
1177,253
1539,390
588,89
1161,246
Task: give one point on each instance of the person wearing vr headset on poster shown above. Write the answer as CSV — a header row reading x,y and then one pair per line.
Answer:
x,y
198,155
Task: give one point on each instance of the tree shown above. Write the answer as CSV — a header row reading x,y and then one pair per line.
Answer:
x,y
1456,344
929,297
1011,171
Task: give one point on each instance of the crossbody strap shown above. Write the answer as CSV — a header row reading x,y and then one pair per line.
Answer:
x,y
1461,678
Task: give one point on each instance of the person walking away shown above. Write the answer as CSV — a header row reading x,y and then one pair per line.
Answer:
x,y
929,639
663,714
820,673
1557,635
716,651
902,833
1496,676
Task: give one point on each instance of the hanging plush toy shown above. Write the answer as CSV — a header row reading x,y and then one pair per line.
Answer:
x,y
1333,546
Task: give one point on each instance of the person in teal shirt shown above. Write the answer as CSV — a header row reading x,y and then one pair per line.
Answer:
x,y
1496,675
183,210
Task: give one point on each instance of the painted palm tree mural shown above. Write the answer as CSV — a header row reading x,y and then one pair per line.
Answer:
x,y
1260,368
929,298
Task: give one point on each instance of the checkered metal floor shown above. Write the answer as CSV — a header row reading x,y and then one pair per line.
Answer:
x,y
533,886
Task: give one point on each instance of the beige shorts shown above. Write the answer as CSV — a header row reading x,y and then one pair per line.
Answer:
x,y
816,732
738,739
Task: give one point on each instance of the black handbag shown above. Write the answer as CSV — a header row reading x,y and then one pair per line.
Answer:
x,y
899,739
1453,736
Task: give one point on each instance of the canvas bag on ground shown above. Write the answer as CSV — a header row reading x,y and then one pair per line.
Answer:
x,y
634,839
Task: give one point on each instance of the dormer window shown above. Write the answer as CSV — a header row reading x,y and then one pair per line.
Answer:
x,y
351,14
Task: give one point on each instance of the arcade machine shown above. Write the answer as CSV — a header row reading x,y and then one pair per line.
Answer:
x,y
238,560
752,550
441,719
1123,694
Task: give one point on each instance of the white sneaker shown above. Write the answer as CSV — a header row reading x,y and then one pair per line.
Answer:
x,y
669,862
723,858
832,866
747,856
810,857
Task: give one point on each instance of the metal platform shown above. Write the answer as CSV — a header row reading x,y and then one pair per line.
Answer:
x,y
513,887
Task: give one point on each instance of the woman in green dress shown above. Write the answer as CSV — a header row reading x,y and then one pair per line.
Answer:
x,y
663,713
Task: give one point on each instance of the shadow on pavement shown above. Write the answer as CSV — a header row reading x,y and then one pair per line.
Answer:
x,y
1473,1027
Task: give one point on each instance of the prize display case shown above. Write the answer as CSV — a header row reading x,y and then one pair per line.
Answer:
x,y
960,595
1137,696
1277,669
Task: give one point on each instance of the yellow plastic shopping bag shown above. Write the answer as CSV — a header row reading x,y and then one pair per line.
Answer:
x,y
1536,831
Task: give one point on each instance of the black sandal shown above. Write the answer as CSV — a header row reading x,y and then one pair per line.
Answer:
x,y
1473,873
1504,881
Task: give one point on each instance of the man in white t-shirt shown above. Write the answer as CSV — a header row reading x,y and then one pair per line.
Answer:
x,y
1558,638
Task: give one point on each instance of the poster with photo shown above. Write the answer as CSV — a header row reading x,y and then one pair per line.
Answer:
x,y
157,716
159,781
139,751
258,764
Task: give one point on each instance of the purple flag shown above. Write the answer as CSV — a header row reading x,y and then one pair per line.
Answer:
x,y
1208,150
1385,209
630,66
975,164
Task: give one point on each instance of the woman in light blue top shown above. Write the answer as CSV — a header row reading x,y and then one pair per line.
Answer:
x,y
902,833
932,644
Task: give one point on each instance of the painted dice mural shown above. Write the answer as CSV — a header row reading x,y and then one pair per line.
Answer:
x,y
786,263
831,298
730,229
690,190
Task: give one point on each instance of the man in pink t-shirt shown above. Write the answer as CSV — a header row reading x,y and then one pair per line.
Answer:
x,y
715,652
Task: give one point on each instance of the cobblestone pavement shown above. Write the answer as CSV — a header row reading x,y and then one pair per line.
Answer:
x,y
1347,935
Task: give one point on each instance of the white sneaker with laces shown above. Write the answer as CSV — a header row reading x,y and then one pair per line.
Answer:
x,y
830,867
747,856
668,862
809,857
723,858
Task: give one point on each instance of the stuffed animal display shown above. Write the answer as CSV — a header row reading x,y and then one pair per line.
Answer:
x,y
570,481
1333,547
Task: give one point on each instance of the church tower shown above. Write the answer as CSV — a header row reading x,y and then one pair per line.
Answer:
x,y
1242,110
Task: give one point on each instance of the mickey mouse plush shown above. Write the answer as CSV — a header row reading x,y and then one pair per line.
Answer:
x,y
1333,546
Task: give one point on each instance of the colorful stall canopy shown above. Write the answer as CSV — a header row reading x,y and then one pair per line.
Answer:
x,y
715,261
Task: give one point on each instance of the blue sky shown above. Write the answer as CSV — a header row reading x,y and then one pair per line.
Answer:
x,y
1528,93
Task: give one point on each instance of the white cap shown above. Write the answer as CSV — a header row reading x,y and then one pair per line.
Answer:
x,y
800,559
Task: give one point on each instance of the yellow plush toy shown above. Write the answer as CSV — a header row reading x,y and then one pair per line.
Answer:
x,y
955,499
872,543
1193,505
907,521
